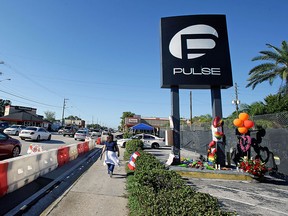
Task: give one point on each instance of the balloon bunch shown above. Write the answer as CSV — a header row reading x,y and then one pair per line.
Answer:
x,y
243,123
211,157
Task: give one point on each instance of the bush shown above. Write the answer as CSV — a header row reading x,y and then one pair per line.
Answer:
x,y
155,191
159,179
131,147
148,162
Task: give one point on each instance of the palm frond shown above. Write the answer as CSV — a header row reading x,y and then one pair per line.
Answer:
x,y
277,67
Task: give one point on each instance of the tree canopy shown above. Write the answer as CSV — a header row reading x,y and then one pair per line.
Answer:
x,y
275,66
50,116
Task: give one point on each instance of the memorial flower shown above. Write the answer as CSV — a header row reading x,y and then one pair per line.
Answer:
x,y
253,166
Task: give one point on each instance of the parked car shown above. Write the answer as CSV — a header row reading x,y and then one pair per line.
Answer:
x,y
9,147
70,130
14,129
35,133
81,135
60,130
95,132
149,140
3,126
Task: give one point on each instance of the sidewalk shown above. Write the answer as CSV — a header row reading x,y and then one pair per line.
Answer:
x,y
94,193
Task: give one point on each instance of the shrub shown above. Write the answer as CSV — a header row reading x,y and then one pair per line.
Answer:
x,y
131,147
155,191
148,161
159,179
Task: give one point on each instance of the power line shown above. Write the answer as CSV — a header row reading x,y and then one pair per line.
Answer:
x,y
29,99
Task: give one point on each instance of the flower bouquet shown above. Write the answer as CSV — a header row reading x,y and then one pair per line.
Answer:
x,y
254,166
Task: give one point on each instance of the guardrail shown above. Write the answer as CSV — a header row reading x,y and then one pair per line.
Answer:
x,y
18,172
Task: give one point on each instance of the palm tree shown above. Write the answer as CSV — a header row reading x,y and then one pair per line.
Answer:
x,y
276,67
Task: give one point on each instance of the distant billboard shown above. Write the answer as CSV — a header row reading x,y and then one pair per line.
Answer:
x,y
195,52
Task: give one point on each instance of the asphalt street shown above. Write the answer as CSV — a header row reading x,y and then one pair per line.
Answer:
x,y
251,197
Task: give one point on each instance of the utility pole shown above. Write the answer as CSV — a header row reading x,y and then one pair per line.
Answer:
x,y
64,105
236,101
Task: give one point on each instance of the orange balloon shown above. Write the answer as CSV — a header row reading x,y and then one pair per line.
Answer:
x,y
243,130
248,124
238,122
243,116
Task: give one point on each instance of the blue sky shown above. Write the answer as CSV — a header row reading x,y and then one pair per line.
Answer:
x,y
104,56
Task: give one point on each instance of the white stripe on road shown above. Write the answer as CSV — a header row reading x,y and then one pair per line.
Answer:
x,y
253,205
270,197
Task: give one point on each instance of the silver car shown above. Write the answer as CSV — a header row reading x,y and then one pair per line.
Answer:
x,y
149,140
14,129
35,133
81,135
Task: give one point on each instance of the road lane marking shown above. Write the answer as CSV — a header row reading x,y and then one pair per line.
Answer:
x,y
270,197
253,205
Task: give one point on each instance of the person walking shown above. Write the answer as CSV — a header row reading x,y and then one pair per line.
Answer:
x,y
111,159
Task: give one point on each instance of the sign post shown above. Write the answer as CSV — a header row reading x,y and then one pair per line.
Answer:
x,y
194,55
176,124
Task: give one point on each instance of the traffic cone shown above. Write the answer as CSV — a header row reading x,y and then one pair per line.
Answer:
x,y
131,164
30,149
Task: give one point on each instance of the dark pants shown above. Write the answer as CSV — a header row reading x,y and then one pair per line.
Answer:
x,y
110,167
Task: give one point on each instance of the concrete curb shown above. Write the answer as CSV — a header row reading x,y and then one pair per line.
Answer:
x,y
215,175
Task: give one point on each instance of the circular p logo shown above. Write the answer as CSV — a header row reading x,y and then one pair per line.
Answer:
x,y
193,41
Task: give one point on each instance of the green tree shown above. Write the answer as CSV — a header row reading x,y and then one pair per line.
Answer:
x,y
276,103
73,117
257,108
125,115
203,119
50,116
3,103
276,66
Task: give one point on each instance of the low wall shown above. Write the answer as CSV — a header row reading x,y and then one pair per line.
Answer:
x,y
20,171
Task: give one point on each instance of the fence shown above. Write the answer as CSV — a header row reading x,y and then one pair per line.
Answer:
x,y
197,137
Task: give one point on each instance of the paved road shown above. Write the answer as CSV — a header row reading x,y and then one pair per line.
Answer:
x,y
56,141
246,198
269,198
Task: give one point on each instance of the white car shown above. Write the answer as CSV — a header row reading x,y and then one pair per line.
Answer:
x,y
14,129
149,140
35,133
81,135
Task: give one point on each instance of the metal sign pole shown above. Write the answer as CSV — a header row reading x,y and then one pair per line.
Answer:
x,y
217,111
176,123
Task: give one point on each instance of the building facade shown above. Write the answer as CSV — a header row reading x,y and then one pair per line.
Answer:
x,y
23,116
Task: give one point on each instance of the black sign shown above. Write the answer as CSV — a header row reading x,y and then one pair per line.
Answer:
x,y
195,52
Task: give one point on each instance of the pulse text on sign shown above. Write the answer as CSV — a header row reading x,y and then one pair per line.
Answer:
x,y
203,71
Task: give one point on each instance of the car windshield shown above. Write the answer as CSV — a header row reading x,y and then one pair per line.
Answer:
x,y
31,128
137,137
14,126
81,131
3,136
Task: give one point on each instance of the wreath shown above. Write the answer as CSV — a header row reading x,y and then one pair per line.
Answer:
x,y
247,141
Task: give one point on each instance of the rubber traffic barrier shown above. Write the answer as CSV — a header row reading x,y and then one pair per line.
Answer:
x,y
22,170
3,178
80,148
47,161
73,151
86,147
63,156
